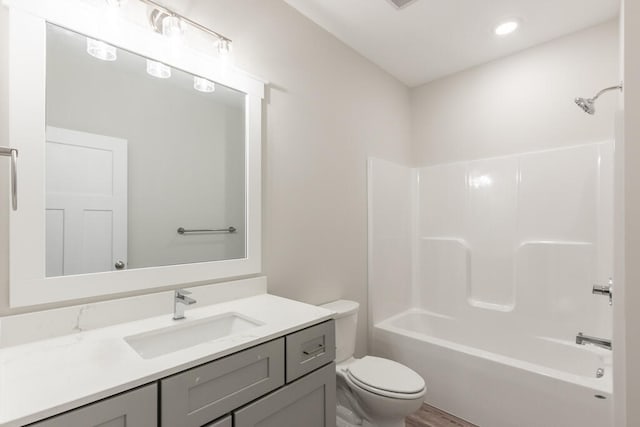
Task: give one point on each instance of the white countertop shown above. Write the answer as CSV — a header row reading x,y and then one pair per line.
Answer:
x,y
48,377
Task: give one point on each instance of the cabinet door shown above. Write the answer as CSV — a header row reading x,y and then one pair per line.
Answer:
x,y
208,392
137,408
309,402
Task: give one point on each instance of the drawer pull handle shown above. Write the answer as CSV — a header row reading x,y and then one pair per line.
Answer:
x,y
318,350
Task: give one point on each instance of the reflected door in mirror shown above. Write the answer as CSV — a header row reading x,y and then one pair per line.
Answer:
x,y
86,202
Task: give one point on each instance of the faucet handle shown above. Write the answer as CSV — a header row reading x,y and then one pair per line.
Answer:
x,y
181,295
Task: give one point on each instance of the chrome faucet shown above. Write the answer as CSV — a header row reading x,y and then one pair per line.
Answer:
x,y
586,339
180,301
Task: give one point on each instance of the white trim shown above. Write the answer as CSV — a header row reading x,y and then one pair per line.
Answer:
x,y
27,74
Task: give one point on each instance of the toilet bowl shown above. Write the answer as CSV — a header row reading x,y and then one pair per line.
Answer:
x,y
371,391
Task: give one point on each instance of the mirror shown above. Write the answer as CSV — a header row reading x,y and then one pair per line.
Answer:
x,y
144,165
113,160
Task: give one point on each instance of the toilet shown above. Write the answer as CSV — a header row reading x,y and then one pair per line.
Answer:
x,y
371,391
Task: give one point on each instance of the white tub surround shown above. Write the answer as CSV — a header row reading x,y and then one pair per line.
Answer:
x,y
480,278
43,378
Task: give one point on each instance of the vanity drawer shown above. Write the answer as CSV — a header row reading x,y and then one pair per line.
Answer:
x,y
200,395
137,408
310,348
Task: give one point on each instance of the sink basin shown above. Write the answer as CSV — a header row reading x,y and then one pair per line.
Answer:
x,y
185,334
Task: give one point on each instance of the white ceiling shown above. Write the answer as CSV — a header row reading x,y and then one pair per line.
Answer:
x,y
432,38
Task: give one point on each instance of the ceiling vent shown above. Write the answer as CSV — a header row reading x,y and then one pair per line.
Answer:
x,y
401,4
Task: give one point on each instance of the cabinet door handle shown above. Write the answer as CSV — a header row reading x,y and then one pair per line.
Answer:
x,y
13,153
312,352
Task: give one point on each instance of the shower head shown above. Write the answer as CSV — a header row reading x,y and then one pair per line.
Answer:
x,y
588,105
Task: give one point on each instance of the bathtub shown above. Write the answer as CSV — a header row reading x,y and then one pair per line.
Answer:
x,y
500,380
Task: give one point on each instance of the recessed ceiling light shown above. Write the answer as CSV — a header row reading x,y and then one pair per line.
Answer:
x,y
507,27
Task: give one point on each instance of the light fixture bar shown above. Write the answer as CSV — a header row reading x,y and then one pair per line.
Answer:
x,y
185,19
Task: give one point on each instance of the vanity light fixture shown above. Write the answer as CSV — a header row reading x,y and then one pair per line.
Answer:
x,y
203,85
172,27
506,28
158,69
161,17
101,50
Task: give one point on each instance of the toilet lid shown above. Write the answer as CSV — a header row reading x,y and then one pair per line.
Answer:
x,y
387,375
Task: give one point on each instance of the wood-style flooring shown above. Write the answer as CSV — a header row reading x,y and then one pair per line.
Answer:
x,y
428,416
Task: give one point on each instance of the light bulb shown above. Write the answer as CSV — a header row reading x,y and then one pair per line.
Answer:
x,y
506,28
203,85
224,47
172,27
158,69
101,50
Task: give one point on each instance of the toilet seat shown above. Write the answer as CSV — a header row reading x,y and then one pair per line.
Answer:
x,y
386,378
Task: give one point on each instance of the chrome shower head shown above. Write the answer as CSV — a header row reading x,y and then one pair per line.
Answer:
x,y
588,105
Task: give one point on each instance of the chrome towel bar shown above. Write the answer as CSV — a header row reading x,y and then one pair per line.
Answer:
x,y
13,153
183,230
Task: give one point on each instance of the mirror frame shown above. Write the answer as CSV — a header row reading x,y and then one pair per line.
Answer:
x,y
27,77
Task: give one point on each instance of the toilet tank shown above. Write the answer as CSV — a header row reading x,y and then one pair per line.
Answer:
x,y
346,324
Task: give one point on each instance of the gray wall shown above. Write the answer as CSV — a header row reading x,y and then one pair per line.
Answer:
x,y
520,103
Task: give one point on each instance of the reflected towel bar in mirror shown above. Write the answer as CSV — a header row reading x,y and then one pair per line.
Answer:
x,y
183,230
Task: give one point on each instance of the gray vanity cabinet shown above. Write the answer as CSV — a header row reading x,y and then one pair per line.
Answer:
x,y
287,382
137,408
308,402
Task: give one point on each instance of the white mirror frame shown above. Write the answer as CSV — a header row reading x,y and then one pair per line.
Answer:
x,y
27,77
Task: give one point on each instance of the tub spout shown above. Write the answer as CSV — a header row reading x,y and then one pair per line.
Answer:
x,y
586,339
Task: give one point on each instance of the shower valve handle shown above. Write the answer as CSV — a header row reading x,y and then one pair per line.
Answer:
x,y
604,290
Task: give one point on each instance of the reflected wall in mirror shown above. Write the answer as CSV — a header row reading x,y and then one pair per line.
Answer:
x,y
131,157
